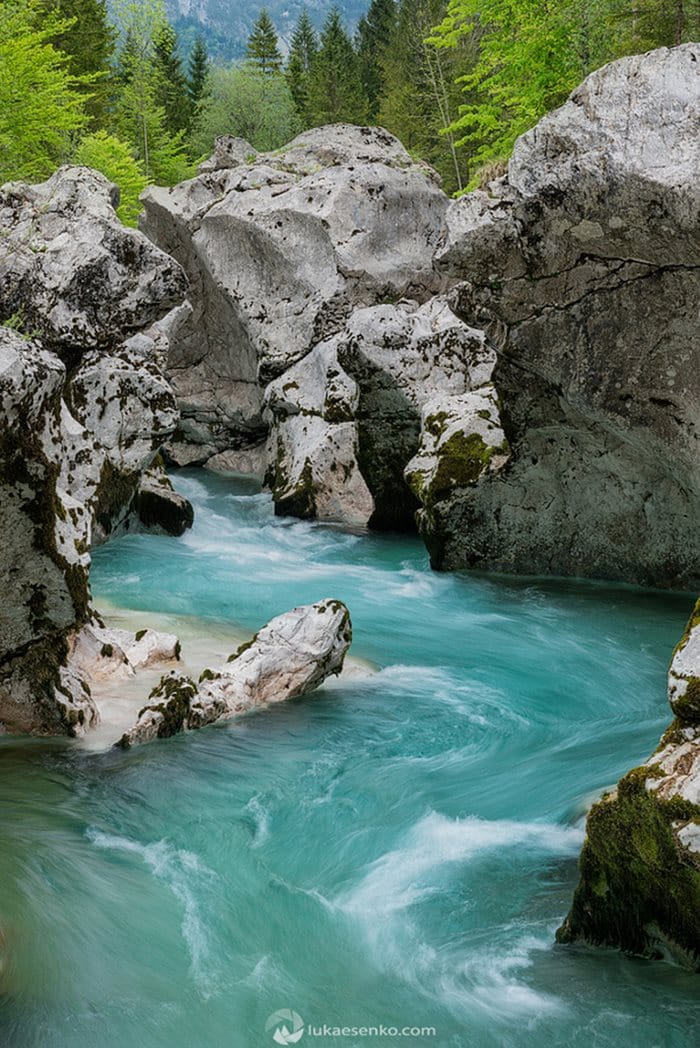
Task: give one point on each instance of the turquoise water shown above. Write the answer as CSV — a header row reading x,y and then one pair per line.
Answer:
x,y
397,849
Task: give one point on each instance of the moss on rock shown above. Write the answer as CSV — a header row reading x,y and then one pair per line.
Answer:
x,y
639,888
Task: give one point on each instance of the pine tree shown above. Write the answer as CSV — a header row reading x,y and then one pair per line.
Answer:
x,y
374,33
302,52
335,92
171,85
262,49
197,72
88,39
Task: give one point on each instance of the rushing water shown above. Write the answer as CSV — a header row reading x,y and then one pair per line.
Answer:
x,y
397,849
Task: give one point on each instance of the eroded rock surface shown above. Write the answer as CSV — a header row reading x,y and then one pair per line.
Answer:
x,y
280,249
582,265
346,420
289,657
84,409
640,864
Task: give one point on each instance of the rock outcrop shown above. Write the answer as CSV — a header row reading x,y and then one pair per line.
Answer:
x,y
582,266
331,281
84,409
280,248
346,420
290,656
640,864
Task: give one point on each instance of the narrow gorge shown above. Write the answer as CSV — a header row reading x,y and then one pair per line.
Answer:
x,y
317,427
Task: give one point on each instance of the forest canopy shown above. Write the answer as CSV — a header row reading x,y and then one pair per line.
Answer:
x,y
456,80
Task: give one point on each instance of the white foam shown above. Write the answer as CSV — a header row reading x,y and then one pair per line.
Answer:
x,y
178,869
396,880
261,817
486,978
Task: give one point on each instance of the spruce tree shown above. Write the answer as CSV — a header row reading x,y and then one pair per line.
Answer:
x,y
335,91
420,98
171,84
303,50
197,72
262,49
374,33
88,39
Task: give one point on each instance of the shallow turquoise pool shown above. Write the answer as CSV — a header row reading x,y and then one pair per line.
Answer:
x,y
396,850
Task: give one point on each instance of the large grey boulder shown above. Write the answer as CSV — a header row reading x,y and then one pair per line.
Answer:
x,y
582,265
289,657
70,273
279,251
84,409
346,420
640,865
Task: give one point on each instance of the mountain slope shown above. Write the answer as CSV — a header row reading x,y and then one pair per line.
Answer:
x,y
225,24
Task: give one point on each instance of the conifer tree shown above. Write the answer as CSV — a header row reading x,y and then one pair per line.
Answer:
x,y
374,33
302,52
262,49
335,92
171,85
419,96
139,118
88,39
197,72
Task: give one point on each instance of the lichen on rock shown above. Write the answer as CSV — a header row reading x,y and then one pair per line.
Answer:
x,y
289,657
84,409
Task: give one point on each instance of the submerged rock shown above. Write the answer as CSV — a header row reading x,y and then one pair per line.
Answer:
x,y
84,409
290,656
582,264
640,865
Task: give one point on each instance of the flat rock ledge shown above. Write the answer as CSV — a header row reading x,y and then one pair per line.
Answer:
x,y
640,865
290,656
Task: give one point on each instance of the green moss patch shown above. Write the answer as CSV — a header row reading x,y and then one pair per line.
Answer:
x,y
638,887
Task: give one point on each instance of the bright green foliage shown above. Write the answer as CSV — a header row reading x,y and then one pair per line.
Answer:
x,y
41,103
375,31
88,39
302,52
528,63
197,72
262,49
335,92
532,53
420,97
170,82
114,159
139,118
244,102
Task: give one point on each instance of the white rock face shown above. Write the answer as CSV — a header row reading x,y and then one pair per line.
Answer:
x,y
74,275
84,409
345,420
313,444
100,653
582,265
290,656
461,439
279,251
